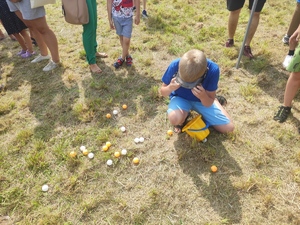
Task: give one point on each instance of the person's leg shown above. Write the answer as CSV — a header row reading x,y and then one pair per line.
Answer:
x,y
252,28
125,43
291,89
226,128
233,22
144,4
42,45
295,21
40,25
21,42
89,37
27,40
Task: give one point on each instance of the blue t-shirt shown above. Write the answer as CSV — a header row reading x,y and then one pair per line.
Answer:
x,y
210,83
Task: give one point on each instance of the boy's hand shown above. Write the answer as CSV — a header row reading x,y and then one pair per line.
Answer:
x,y
199,91
174,85
137,19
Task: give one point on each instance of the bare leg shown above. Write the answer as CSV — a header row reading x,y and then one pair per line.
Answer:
x,y
27,40
295,20
232,22
48,36
227,127
253,27
125,46
21,41
291,89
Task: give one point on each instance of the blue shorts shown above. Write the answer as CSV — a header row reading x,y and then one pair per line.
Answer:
x,y
211,115
123,26
25,8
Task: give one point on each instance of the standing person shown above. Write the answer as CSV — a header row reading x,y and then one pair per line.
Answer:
x,y
191,83
293,83
89,38
35,20
144,12
120,17
14,26
235,7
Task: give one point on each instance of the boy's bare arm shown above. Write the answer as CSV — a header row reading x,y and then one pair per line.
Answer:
x,y
109,10
137,13
166,90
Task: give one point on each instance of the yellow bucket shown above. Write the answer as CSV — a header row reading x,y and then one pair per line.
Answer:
x,y
196,128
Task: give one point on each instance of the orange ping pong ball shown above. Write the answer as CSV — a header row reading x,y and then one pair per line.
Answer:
x,y
214,168
108,115
124,106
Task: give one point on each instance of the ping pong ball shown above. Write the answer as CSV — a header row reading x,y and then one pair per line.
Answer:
x,y
109,162
117,154
123,152
104,148
141,139
91,155
123,129
170,132
73,154
108,115
214,169
136,140
85,152
108,144
124,106
136,160
82,148
45,187
115,112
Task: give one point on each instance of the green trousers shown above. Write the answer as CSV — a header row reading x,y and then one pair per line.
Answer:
x,y
90,33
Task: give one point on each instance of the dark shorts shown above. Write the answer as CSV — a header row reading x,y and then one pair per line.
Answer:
x,y
233,5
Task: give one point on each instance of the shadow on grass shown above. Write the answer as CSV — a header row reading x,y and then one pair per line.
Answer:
x,y
196,158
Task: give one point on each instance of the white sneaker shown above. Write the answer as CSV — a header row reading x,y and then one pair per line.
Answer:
x,y
287,61
40,58
50,66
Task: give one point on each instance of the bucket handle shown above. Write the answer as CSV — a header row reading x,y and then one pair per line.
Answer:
x,y
198,130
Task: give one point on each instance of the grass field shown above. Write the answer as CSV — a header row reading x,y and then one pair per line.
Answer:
x,y
45,116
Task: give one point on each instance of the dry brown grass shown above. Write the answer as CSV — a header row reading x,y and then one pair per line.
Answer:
x,y
44,116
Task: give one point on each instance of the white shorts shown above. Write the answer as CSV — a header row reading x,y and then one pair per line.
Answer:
x,y
25,8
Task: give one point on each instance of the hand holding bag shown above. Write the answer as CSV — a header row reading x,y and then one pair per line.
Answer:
x,y
38,3
75,11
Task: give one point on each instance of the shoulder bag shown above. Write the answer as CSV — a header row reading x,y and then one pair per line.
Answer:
x,y
75,11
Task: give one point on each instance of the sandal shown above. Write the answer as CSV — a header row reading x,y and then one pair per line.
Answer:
x,y
178,128
101,55
222,100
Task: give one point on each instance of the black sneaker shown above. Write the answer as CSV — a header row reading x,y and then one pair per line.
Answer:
x,y
222,100
282,114
286,39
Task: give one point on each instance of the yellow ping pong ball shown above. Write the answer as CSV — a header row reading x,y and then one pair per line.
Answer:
x,y
136,160
117,154
85,152
73,154
104,148
108,144
214,169
170,132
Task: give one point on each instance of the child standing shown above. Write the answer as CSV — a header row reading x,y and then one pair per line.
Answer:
x,y
14,26
120,16
191,83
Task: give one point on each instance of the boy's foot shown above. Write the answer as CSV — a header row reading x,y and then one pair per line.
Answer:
x,y
50,66
248,52
40,58
27,54
222,100
128,60
95,69
119,62
21,52
144,14
287,61
101,55
286,39
282,114
229,43
178,128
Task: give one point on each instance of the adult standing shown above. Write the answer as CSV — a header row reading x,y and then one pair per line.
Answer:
x,y
35,20
235,7
89,36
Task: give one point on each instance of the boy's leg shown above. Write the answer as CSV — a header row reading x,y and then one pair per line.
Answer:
x,y
215,116
178,110
295,20
27,40
291,89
